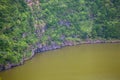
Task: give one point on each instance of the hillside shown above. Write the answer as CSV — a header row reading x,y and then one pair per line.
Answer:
x,y
32,26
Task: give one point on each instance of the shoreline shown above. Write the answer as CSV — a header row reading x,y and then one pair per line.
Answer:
x,y
43,48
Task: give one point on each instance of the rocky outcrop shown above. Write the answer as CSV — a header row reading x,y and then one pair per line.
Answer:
x,y
42,48
10,65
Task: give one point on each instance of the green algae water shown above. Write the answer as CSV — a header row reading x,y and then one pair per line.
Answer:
x,y
82,62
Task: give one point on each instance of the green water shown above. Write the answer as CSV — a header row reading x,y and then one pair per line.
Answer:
x,y
83,62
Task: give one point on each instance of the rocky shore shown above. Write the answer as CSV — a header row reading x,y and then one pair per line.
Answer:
x,y
42,48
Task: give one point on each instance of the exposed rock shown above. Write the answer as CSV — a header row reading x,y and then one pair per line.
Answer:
x,y
1,67
7,66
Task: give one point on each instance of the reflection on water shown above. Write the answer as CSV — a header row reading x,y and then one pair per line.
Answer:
x,y
83,62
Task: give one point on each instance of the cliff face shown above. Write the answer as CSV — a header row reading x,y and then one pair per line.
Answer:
x,y
32,26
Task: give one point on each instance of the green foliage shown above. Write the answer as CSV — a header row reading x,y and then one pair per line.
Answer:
x,y
81,19
67,18
54,21
105,14
16,28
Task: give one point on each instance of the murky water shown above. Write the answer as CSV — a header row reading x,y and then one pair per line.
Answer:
x,y
83,62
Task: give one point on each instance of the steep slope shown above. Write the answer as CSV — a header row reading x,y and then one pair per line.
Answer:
x,y
33,26
16,33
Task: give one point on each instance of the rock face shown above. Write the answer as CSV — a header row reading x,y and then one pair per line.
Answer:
x,y
1,67
32,2
10,65
42,48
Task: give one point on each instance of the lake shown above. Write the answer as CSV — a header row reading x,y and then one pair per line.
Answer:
x,y
81,62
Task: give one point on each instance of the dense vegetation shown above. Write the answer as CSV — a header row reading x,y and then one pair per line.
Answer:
x,y
106,17
16,31
54,21
78,20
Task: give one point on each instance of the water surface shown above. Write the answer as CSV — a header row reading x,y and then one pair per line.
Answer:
x,y
82,62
